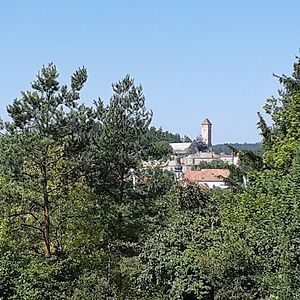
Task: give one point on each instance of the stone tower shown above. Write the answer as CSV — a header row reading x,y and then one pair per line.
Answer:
x,y
206,132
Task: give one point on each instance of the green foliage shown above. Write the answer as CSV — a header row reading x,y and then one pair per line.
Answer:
x,y
82,217
215,164
44,143
165,136
282,137
227,148
242,174
255,256
169,137
121,138
173,261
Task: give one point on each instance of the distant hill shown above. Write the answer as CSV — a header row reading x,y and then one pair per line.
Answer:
x,y
223,148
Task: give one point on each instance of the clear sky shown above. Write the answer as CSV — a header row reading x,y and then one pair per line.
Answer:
x,y
195,59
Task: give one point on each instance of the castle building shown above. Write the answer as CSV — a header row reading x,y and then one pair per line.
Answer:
x,y
187,156
206,132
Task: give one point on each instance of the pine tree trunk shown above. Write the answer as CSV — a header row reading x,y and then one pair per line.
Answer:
x,y
46,229
47,226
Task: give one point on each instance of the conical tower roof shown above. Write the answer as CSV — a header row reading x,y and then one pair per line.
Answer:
x,y
206,122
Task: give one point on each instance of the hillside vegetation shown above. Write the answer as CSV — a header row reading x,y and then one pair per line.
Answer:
x,y
227,147
81,219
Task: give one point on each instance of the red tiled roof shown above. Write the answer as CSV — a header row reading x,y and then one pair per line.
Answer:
x,y
206,122
212,175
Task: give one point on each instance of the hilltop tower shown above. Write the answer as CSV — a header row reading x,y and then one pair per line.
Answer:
x,y
206,132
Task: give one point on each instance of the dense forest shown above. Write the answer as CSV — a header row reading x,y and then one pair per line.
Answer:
x,y
80,218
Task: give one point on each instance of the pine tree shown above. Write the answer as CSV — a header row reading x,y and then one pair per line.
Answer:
x,y
41,150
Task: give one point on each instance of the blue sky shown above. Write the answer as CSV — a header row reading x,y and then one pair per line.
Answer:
x,y
195,59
